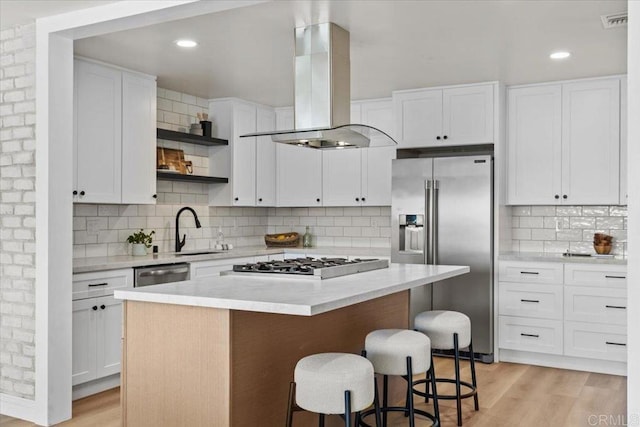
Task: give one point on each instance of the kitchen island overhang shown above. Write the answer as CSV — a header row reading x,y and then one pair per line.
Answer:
x,y
221,351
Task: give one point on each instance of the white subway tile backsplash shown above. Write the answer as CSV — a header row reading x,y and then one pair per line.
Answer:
x,y
595,211
569,235
542,234
531,222
543,210
343,221
569,210
521,211
521,234
610,222
618,211
582,222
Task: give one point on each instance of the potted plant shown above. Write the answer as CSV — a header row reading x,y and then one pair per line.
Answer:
x,y
141,241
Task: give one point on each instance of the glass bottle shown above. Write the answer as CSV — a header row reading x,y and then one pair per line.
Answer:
x,y
306,239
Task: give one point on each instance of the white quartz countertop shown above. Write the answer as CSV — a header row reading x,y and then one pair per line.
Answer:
x,y
304,297
86,265
549,257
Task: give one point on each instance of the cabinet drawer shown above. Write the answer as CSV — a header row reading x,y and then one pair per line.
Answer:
x,y
530,300
595,341
595,275
594,304
213,268
537,335
101,283
531,272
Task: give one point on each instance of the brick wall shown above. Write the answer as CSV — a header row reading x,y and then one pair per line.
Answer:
x,y
17,211
560,228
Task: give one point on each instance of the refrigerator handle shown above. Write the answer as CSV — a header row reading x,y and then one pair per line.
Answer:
x,y
428,244
433,219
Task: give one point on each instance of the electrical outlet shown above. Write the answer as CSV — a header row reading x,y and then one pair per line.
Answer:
x,y
93,226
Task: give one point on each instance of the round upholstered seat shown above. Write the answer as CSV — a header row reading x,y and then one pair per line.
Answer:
x,y
440,325
322,379
388,350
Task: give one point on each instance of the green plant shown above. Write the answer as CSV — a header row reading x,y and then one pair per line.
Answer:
x,y
141,237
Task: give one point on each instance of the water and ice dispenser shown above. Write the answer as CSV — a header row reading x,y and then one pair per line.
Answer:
x,y
411,229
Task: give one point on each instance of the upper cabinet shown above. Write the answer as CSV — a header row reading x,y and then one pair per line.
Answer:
x,y
233,118
114,135
624,160
458,115
564,143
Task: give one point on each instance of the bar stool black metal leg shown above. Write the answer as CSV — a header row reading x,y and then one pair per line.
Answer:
x,y
320,420
436,408
385,390
292,397
412,416
473,376
426,382
347,408
376,402
457,368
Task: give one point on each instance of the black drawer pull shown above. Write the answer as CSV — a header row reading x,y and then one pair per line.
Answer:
x,y
529,272
616,277
616,343
621,307
530,300
530,335
93,285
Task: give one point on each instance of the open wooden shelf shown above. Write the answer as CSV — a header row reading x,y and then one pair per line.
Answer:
x,y
169,176
172,135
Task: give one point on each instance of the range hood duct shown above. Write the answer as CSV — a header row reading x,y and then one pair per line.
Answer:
x,y
322,104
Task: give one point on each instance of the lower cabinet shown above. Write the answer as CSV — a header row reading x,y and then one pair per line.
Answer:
x,y
97,335
202,269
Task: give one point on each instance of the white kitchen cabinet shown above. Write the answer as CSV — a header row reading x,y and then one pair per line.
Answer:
x,y
200,269
251,167
299,173
114,135
97,334
624,151
138,139
459,115
563,143
376,175
97,133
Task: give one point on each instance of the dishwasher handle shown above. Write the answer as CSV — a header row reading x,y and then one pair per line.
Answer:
x,y
163,272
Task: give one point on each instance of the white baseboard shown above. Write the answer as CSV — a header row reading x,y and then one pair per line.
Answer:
x,y
564,362
95,386
17,407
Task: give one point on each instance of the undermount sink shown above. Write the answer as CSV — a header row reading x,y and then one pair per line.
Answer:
x,y
197,253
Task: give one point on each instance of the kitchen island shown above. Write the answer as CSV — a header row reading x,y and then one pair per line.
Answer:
x,y
221,351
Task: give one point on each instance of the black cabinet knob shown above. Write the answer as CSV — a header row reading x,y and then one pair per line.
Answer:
x,y
95,307
155,196
317,200
75,192
363,199
556,196
236,199
357,199
102,307
82,193
438,138
564,196
260,199
445,137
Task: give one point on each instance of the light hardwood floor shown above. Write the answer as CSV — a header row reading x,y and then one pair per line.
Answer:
x,y
510,395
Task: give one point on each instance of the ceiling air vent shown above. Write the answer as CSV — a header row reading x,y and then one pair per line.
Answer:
x,y
615,20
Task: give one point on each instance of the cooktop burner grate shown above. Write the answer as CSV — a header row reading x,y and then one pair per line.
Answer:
x,y
318,267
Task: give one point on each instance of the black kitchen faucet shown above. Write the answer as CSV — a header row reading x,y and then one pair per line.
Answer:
x,y
179,243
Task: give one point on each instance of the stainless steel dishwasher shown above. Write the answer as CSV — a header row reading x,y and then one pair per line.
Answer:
x,y
157,274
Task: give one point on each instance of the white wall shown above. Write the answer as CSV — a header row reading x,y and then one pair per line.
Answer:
x,y
633,382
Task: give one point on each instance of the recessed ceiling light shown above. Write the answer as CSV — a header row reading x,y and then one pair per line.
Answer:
x,y
560,55
186,43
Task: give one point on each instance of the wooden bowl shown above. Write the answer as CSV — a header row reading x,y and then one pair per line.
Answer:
x,y
602,249
282,240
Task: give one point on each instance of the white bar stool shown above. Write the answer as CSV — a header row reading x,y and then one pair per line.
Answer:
x,y
449,330
401,352
333,383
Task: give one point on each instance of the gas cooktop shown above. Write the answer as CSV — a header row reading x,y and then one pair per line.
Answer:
x,y
317,268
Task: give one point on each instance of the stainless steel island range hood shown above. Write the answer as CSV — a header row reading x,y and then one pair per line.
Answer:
x,y
322,105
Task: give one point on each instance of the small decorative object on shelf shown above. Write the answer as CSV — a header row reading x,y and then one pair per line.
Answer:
x,y
140,241
282,240
207,126
602,243
307,239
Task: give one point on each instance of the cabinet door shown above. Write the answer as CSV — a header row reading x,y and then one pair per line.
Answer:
x,y
591,142
83,353
284,118
299,178
98,133
624,161
244,155
418,118
467,115
379,114
534,150
376,175
341,177
108,335
265,159
138,139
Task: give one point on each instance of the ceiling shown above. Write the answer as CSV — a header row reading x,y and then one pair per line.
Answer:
x,y
248,52
20,12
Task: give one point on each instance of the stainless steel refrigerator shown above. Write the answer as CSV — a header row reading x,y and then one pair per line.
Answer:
x,y
442,213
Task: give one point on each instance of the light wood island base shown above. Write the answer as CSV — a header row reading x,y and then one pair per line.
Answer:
x,y
198,366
